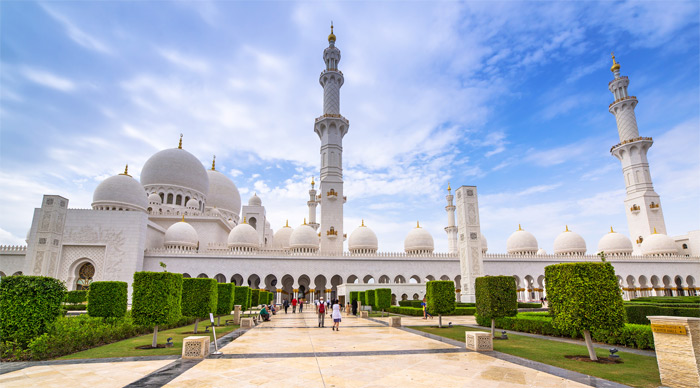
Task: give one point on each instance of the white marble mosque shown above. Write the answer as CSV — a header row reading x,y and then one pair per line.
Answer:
x,y
191,218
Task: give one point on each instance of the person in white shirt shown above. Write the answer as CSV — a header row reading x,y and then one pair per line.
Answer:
x,y
336,315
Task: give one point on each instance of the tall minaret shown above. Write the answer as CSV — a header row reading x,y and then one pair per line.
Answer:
x,y
331,127
642,204
451,229
312,206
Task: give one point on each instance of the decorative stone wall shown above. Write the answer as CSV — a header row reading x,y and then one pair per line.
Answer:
x,y
677,345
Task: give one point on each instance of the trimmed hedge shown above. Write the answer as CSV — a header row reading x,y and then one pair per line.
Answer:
x,y
638,336
460,304
224,304
240,297
667,299
638,313
75,297
584,296
418,312
157,298
28,306
107,299
440,296
362,297
370,298
354,295
199,297
529,305
410,303
496,297
255,297
382,298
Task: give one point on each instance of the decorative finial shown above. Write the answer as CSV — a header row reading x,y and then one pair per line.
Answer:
x,y
287,224
331,37
611,230
417,224
180,145
304,220
519,228
449,188
126,171
313,183
567,228
616,66
244,220
183,218
655,231
363,222
213,163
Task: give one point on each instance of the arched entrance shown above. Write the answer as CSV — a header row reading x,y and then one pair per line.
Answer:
x,y
85,274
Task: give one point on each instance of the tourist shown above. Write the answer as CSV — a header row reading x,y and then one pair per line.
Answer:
x,y
336,315
301,305
264,314
426,314
321,311
294,305
286,305
354,307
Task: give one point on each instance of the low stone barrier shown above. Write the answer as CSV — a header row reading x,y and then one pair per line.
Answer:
x,y
479,341
395,321
246,323
195,347
677,345
364,314
237,314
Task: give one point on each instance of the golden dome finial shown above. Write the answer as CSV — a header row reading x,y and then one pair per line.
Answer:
x,y
287,224
449,188
313,182
244,220
519,228
126,171
363,222
417,224
180,145
567,229
611,229
331,37
213,163
304,220
616,66
654,231
183,218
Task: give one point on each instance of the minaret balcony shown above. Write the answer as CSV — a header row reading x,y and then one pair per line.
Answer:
x,y
654,206
332,233
332,115
617,79
332,194
331,70
622,99
635,209
631,141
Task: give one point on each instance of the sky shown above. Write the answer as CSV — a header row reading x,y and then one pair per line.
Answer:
x,y
508,96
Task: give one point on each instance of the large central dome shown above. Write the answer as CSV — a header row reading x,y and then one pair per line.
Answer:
x,y
175,167
223,193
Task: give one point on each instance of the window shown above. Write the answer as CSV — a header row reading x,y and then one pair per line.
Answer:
x,y
85,274
170,199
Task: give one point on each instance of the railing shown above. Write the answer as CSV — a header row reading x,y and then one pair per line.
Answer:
x,y
622,99
617,79
13,248
630,141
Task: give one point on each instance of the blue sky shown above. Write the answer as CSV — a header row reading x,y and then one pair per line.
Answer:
x,y
508,96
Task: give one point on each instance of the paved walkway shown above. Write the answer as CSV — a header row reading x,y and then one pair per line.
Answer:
x,y
291,351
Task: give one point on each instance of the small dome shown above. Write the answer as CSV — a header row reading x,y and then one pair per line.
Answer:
x,y
121,191
255,200
569,243
175,167
484,244
281,237
154,199
181,235
658,244
614,243
363,239
303,237
193,204
223,193
418,240
243,236
521,242
541,252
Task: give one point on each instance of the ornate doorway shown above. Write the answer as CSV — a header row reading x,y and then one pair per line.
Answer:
x,y
85,274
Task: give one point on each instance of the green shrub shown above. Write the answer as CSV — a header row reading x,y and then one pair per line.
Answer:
x,y
440,296
224,298
156,299
418,312
74,307
460,304
496,297
107,299
241,297
354,296
382,298
28,305
668,299
255,297
75,297
529,305
638,313
370,299
584,297
199,298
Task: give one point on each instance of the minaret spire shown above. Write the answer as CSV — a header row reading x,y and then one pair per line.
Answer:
x,y
330,128
451,229
642,203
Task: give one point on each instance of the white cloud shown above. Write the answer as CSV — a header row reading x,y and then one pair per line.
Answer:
x,y
47,79
79,36
187,62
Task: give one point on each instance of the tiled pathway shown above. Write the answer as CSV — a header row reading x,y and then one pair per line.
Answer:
x,y
291,351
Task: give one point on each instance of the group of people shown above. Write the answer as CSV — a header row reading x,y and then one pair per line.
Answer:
x,y
294,305
333,308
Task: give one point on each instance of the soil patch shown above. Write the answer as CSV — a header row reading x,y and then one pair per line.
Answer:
x,y
160,346
601,360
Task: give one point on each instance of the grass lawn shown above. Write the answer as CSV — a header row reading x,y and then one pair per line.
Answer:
x,y
636,370
127,347
375,314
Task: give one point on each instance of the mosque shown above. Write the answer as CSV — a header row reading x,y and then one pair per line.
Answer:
x,y
191,219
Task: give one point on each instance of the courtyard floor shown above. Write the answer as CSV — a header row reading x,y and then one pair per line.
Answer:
x,y
292,351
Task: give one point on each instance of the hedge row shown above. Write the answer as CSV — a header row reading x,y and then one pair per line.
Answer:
x,y
638,336
529,305
418,312
68,335
369,297
410,303
667,299
75,297
242,297
224,304
354,295
638,313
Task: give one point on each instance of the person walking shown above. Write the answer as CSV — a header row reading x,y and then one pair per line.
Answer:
x,y
426,314
321,311
301,305
294,305
354,307
336,315
286,305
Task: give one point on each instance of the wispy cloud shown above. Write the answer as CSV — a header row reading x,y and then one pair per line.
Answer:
x,y
187,62
47,79
78,35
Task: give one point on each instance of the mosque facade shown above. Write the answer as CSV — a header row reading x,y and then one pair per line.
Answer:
x,y
191,219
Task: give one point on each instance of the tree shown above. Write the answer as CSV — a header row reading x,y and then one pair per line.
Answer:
x,y
225,297
496,297
370,299
584,297
156,300
107,299
199,298
241,297
382,299
440,296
